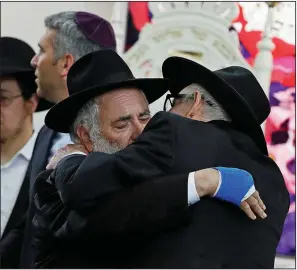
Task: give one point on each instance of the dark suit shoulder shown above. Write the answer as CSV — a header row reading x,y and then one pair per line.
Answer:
x,y
44,131
176,121
163,118
74,159
153,152
160,121
158,136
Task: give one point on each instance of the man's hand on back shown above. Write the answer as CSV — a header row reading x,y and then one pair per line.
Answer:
x,y
233,185
65,151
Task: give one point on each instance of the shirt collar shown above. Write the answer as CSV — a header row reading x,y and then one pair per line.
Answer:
x,y
26,151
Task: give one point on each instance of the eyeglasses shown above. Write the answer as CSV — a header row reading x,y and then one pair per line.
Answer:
x,y
6,101
171,100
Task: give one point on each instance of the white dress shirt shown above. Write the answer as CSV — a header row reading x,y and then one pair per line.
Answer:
x,y
193,196
12,177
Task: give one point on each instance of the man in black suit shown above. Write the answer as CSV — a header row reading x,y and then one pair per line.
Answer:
x,y
148,224
69,35
18,103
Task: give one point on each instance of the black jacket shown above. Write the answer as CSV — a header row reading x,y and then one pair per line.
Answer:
x,y
161,204
218,235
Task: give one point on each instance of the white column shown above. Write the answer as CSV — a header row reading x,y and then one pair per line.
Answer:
x,y
264,59
119,23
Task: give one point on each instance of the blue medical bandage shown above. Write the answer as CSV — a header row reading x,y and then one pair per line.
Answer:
x,y
235,185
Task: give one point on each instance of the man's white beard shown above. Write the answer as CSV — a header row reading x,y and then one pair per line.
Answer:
x,y
101,144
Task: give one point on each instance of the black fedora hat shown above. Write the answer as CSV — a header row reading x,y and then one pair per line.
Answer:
x,y
15,58
95,74
235,88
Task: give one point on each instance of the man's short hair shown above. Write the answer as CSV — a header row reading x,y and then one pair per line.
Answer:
x,y
88,117
69,38
213,112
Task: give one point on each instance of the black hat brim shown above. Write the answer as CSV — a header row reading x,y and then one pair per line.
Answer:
x,y
182,72
61,116
10,70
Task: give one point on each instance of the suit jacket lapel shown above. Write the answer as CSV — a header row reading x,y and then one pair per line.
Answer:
x,y
40,155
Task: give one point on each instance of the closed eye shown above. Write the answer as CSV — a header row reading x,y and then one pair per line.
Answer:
x,y
122,125
144,117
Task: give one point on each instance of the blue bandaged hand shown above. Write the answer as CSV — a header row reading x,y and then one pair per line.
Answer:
x,y
237,187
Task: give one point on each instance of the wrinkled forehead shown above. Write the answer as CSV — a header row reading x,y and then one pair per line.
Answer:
x,y
124,96
123,101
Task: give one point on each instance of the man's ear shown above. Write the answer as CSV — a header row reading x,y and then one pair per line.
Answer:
x,y
196,104
66,62
32,103
84,137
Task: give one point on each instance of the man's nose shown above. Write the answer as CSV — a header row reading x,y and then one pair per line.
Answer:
x,y
34,61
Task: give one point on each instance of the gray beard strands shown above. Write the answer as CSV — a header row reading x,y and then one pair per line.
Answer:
x,y
101,144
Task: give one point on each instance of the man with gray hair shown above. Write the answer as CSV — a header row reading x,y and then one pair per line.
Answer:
x,y
219,114
69,36
189,96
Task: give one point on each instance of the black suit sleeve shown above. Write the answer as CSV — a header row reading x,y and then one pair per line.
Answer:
x,y
146,208
150,157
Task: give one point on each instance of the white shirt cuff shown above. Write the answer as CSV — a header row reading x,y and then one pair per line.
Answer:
x,y
219,185
77,153
74,153
193,196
